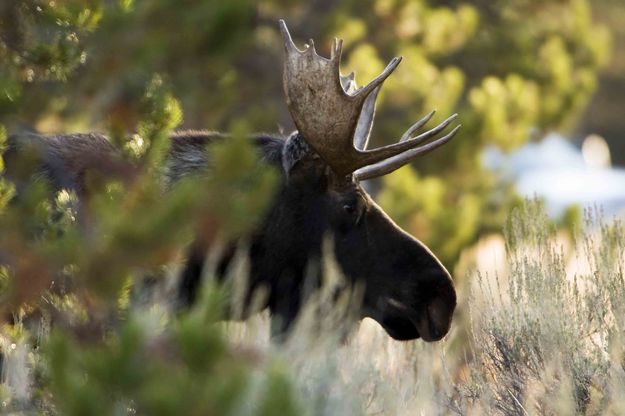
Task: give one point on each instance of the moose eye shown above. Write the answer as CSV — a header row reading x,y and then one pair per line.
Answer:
x,y
349,208
353,213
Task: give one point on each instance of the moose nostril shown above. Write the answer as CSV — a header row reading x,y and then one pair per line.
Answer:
x,y
438,313
437,320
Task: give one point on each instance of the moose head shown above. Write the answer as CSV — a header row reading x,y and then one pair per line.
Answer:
x,y
406,288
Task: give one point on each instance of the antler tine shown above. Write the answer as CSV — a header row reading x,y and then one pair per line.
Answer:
x,y
288,41
337,50
433,132
365,122
377,81
416,126
393,163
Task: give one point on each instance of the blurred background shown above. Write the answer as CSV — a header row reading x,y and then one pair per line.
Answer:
x,y
515,71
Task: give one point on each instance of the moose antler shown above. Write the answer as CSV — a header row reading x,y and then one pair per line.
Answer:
x,y
335,117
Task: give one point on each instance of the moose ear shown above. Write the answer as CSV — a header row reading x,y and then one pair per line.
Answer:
x,y
295,149
299,161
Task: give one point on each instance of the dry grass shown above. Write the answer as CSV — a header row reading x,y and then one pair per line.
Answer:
x,y
541,334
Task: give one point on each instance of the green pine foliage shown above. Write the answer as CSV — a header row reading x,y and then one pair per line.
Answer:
x,y
97,358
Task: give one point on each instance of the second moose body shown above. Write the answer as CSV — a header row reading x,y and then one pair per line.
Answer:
x,y
406,289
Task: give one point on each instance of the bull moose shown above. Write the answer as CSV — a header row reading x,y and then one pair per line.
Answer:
x,y
322,164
